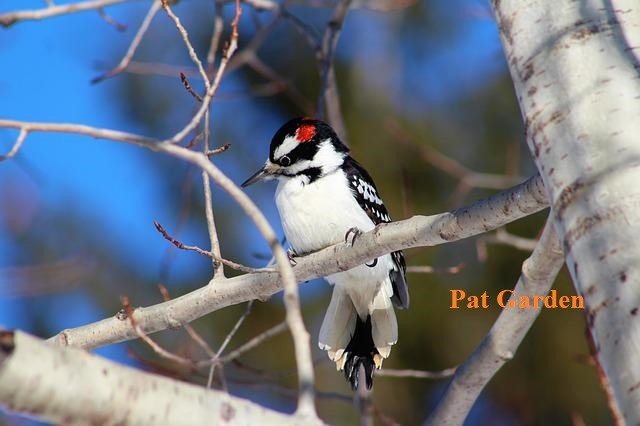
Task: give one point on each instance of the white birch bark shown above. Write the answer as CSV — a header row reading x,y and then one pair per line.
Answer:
x,y
67,385
576,71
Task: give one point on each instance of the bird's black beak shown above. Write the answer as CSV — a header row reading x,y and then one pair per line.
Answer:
x,y
265,173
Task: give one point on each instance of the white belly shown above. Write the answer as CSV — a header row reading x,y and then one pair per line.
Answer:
x,y
320,216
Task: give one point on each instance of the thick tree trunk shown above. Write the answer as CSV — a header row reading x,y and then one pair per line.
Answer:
x,y
576,71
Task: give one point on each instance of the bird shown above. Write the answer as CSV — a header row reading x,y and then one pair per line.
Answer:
x,y
323,197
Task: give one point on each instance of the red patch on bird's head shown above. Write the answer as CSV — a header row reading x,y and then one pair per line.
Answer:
x,y
305,132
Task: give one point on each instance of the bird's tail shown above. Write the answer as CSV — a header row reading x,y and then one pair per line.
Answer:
x,y
351,341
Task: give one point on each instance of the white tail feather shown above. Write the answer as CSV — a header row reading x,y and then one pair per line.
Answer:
x,y
338,324
340,321
384,327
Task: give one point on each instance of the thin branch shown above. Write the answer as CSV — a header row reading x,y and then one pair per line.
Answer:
x,y
212,87
251,344
468,179
149,341
218,267
417,374
10,18
501,236
195,336
328,96
185,37
435,270
160,69
179,244
188,88
216,35
223,346
111,21
218,150
17,145
538,274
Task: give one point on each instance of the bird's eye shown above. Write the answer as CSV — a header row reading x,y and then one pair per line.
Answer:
x,y
285,161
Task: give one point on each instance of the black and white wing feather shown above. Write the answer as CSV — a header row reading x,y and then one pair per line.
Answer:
x,y
365,192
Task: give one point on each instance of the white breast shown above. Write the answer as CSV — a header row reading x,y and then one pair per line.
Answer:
x,y
318,214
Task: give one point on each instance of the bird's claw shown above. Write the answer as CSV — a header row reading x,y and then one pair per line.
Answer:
x,y
356,233
291,255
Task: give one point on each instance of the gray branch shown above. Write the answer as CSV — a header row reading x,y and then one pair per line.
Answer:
x,y
419,231
71,386
538,274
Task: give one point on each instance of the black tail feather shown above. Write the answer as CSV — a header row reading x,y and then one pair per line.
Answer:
x,y
360,351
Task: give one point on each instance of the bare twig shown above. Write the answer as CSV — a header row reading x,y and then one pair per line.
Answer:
x,y
468,179
251,344
212,87
185,37
328,96
417,374
218,267
10,18
161,69
501,236
179,244
226,341
218,150
234,265
47,277
195,336
109,20
156,348
215,38
435,270
187,86
17,145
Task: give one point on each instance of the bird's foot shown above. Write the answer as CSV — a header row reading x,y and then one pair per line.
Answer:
x,y
354,232
291,255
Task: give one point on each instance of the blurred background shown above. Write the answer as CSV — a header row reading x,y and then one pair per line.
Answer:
x,y
430,112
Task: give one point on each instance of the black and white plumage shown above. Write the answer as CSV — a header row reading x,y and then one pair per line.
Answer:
x,y
322,193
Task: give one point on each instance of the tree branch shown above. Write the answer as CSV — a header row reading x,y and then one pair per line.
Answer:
x,y
97,391
418,231
328,97
126,59
538,274
8,19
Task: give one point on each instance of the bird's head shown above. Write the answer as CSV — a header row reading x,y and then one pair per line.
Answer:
x,y
302,146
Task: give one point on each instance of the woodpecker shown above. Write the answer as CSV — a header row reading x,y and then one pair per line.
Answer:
x,y
323,197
